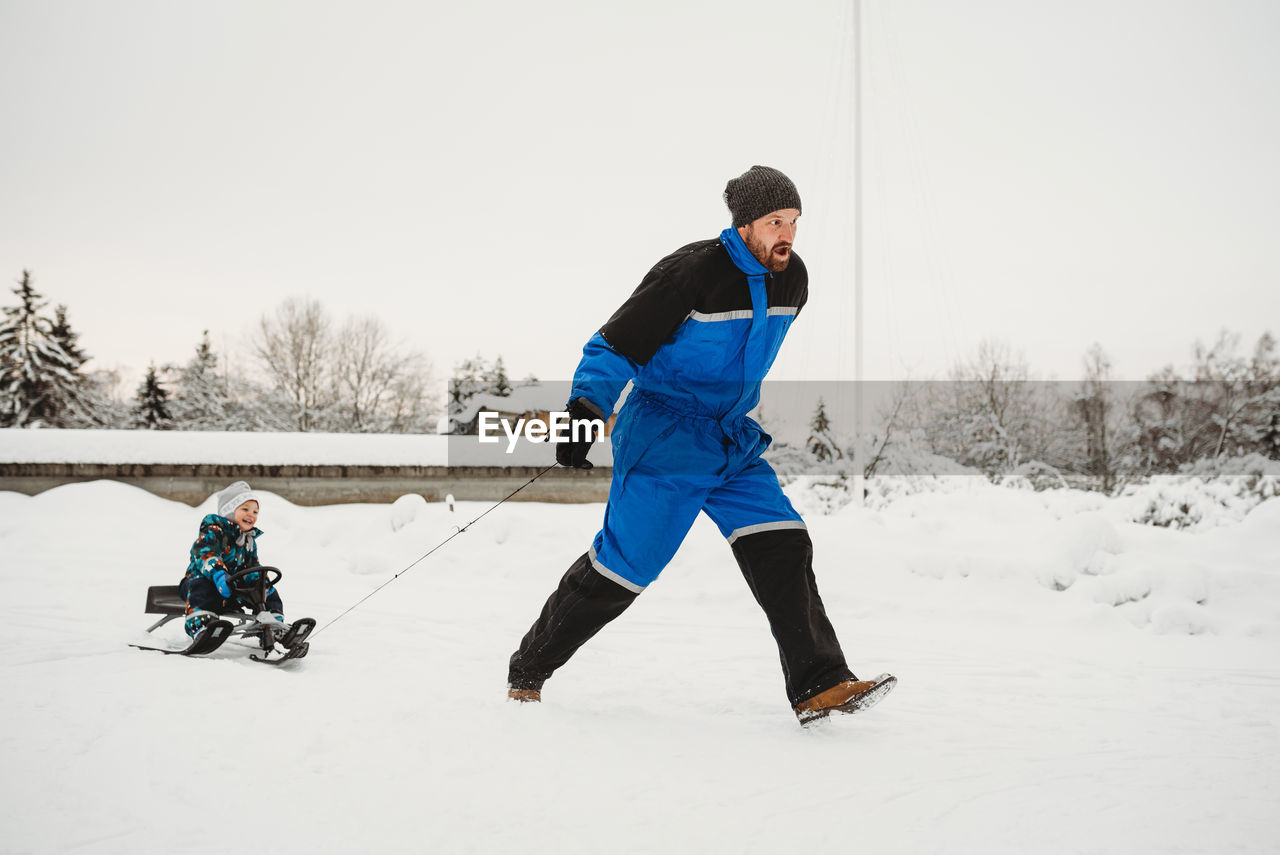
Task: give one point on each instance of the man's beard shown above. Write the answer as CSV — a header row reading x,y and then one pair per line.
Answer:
x,y
765,255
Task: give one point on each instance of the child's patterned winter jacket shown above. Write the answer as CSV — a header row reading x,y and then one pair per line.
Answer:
x,y
221,546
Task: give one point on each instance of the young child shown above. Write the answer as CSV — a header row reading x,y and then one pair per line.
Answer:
x,y
226,545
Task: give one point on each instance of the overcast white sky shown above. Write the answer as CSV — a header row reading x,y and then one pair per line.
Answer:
x,y
497,177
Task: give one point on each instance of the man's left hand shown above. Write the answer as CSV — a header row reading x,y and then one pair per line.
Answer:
x,y
573,451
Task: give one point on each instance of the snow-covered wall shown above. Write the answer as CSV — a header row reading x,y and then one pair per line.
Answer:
x,y
307,468
197,447
18,445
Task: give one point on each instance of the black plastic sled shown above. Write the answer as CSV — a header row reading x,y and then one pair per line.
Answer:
x,y
287,645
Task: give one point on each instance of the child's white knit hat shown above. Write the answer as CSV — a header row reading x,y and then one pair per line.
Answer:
x,y
235,496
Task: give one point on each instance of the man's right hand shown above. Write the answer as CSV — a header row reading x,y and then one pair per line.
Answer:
x,y
573,451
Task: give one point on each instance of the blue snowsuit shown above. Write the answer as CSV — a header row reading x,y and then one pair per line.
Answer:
x,y
694,341
220,546
683,442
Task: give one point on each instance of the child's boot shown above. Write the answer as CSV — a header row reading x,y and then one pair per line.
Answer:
x,y
197,621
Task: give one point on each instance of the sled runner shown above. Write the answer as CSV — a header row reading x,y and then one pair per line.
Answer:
x,y
287,641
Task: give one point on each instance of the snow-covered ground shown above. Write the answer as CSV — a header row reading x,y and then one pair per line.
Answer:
x,y
1070,682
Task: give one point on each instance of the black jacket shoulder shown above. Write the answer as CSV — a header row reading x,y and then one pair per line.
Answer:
x,y
697,277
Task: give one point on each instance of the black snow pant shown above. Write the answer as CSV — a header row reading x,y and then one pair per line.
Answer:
x,y
202,595
577,609
778,567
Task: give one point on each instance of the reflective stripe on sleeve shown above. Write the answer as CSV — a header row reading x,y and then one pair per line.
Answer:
x,y
736,315
739,314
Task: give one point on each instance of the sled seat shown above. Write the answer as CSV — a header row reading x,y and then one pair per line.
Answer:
x,y
165,600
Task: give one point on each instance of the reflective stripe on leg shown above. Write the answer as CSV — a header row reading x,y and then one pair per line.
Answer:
x,y
759,528
610,575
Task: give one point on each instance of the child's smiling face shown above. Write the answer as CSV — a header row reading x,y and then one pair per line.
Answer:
x,y
246,515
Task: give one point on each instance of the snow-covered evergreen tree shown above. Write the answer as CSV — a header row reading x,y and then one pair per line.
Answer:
x,y
151,410
111,408
200,401
477,376
79,404
254,407
468,379
67,338
821,444
499,384
40,384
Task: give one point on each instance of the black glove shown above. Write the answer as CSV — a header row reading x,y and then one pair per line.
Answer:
x,y
573,452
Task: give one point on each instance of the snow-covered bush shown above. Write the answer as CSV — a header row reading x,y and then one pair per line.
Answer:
x,y
819,494
1253,466
1206,494
1033,475
884,490
902,470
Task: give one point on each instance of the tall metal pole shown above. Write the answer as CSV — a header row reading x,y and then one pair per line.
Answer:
x,y
858,408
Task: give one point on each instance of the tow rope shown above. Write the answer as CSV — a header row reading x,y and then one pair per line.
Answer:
x,y
430,551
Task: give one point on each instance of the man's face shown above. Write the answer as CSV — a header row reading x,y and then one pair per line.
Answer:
x,y
770,237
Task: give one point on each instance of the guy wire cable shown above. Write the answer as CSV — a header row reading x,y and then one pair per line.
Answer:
x,y
433,549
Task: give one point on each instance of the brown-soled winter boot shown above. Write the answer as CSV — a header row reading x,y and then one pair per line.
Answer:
x,y
525,696
849,697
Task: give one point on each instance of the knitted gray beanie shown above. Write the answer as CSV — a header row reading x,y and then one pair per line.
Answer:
x,y
233,497
759,191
